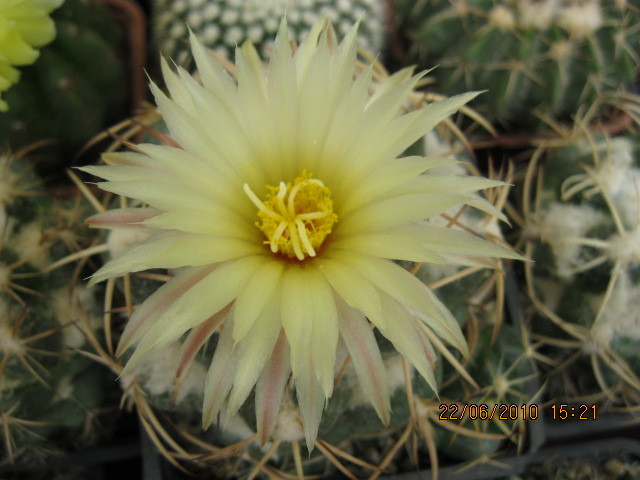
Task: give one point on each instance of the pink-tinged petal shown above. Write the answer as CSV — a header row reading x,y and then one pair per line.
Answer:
x,y
219,377
311,399
198,337
144,317
122,217
132,159
211,294
270,388
408,339
365,354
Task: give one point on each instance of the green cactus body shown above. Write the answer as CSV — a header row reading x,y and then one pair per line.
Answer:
x,y
76,88
584,239
533,56
49,393
502,369
225,24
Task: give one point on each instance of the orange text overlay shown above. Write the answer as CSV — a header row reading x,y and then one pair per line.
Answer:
x,y
483,411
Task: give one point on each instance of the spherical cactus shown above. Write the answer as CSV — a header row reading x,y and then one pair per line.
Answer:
x,y
224,25
50,394
584,235
542,57
75,88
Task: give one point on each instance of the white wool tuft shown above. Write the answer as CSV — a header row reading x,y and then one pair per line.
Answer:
x,y
560,226
537,14
625,248
75,312
581,19
621,314
29,243
8,342
158,374
289,423
502,18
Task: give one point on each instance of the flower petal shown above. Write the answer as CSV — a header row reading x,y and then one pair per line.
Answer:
x,y
122,218
253,298
219,377
205,298
175,250
352,287
385,178
270,388
253,352
409,340
198,337
411,292
324,331
396,211
144,316
310,397
297,318
215,221
389,245
365,354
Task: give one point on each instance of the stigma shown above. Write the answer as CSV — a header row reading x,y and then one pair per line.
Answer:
x,y
297,217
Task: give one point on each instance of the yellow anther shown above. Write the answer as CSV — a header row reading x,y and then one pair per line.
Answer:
x,y
296,218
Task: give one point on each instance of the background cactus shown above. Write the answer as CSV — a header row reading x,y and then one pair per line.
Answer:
x,y
535,57
76,88
583,233
224,24
50,395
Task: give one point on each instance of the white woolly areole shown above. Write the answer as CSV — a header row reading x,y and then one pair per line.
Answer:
x,y
237,428
120,239
8,342
289,424
620,317
627,198
158,374
581,19
502,18
29,243
537,14
625,248
613,169
559,226
435,145
77,310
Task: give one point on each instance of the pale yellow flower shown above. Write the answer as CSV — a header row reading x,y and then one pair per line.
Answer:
x,y
24,26
282,206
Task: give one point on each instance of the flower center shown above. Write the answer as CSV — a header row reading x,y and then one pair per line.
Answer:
x,y
296,218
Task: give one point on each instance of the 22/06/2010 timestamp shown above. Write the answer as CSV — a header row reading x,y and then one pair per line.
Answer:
x,y
483,411
583,411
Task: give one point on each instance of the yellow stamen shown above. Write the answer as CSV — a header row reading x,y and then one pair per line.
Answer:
x,y
296,219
